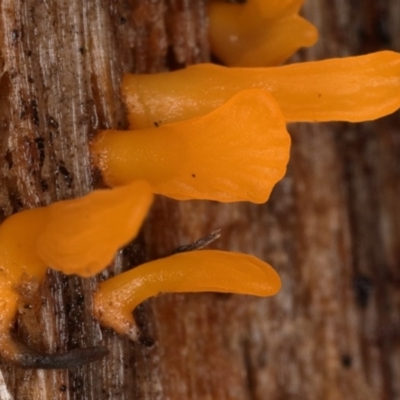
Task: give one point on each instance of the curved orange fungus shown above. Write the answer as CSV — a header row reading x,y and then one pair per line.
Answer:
x,y
236,153
195,271
351,89
75,236
258,33
82,236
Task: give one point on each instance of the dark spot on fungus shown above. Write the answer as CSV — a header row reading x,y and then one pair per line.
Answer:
x,y
156,124
122,21
319,95
362,287
194,175
63,388
82,50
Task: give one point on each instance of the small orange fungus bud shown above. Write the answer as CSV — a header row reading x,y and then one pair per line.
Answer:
x,y
82,236
341,89
236,153
258,33
195,271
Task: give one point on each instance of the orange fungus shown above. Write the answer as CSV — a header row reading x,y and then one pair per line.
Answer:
x,y
195,271
351,89
258,33
75,236
82,236
235,153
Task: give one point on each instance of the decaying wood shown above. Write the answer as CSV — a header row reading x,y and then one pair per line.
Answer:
x,y
331,228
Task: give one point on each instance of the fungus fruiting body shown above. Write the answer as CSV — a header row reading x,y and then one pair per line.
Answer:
x,y
77,236
351,89
205,132
195,271
258,33
235,153
81,237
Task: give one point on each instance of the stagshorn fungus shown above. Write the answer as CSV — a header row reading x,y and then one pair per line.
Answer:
x,y
353,89
237,152
258,33
81,237
194,271
205,132
78,236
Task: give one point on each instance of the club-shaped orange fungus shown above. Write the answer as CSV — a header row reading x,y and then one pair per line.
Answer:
x,y
258,33
238,152
351,89
194,271
82,237
75,236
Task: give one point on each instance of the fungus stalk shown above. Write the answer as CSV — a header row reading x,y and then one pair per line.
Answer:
x,y
351,89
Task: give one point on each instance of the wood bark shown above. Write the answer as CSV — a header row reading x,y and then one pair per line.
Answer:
x,y
331,228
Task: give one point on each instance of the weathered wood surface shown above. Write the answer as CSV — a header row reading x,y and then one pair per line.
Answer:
x,y
331,228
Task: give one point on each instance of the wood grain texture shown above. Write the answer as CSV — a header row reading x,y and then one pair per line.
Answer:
x,y
331,228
